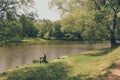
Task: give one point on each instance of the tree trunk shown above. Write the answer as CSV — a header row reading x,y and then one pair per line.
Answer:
x,y
112,36
113,41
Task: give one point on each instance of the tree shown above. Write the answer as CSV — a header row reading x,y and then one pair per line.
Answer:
x,y
10,28
45,29
10,32
12,6
104,17
111,8
71,28
49,30
28,27
56,30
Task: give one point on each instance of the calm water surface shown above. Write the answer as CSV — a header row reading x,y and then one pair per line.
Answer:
x,y
13,56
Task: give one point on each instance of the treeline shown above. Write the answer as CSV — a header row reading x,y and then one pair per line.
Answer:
x,y
12,29
81,20
55,31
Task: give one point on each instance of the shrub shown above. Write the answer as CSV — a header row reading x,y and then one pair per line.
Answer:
x,y
53,71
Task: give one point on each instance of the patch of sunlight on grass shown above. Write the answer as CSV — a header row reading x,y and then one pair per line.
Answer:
x,y
93,64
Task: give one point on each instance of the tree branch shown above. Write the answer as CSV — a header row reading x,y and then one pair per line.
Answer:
x,y
4,7
97,4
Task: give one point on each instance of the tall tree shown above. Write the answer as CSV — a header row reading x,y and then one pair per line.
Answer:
x,y
45,29
28,27
104,16
10,28
13,6
111,8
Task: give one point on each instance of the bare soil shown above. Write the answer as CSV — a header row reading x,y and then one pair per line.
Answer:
x,y
114,73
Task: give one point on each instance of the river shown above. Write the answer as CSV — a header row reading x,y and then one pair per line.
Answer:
x,y
12,56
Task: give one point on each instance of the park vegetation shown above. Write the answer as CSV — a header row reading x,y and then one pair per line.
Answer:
x,y
81,20
91,65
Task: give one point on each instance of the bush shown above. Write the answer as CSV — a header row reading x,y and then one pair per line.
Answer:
x,y
53,71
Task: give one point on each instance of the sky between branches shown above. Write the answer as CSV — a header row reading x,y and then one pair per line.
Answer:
x,y
44,12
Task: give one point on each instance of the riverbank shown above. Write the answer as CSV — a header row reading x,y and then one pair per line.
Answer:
x,y
38,40
29,41
83,66
32,40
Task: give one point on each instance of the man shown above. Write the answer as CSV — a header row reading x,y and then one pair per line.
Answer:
x,y
43,59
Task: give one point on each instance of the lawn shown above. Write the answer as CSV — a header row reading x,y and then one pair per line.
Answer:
x,y
83,66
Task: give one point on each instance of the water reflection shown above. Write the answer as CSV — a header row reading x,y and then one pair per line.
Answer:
x,y
25,53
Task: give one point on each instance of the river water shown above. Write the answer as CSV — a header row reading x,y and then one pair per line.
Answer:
x,y
12,56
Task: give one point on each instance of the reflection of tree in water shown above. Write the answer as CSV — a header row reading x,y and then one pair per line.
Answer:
x,y
26,56
6,64
23,58
90,46
8,58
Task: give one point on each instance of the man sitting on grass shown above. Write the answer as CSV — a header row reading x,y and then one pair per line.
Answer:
x,y
43,59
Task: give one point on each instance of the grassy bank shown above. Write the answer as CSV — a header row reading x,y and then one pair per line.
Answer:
x,y
84,66
34,40
24,40
30,41
38,40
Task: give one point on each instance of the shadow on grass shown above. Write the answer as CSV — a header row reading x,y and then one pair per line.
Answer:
x,y
85,77
102,52
107,71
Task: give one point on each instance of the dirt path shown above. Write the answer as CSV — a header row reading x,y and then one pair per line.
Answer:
x,y
114,72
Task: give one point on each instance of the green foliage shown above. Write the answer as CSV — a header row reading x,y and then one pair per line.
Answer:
x,y
68,24
53,71
56,32
45,29
46,35
29,29
49,30
10,32
10,16
11,29
13,6
93,20
88,20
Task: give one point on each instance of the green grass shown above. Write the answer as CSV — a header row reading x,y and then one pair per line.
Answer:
x,y
38,40
93,63
33,40
30,41
37,71
84,66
